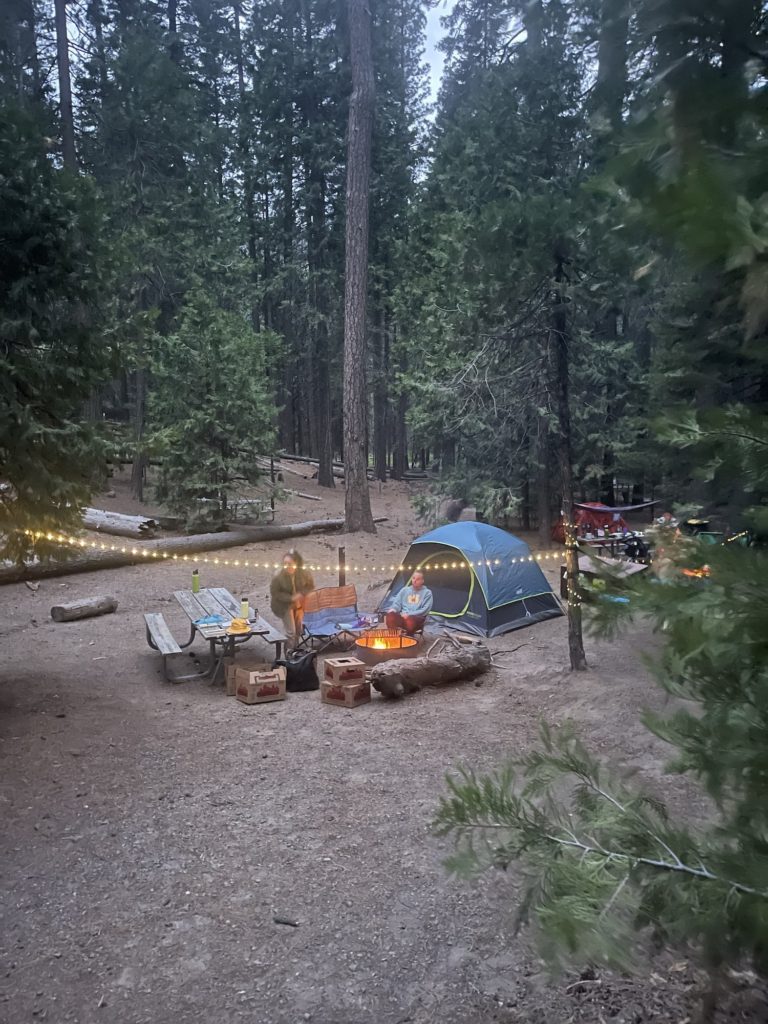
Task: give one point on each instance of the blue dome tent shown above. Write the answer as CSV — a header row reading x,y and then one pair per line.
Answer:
x,y
505,592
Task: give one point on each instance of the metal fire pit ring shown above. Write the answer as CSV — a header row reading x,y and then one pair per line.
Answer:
x,y
377,645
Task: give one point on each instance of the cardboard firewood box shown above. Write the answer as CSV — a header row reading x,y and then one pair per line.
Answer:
x,y
344,670
248,661
345,695
259,685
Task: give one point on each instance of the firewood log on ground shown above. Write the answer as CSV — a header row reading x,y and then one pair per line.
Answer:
x,y
453,661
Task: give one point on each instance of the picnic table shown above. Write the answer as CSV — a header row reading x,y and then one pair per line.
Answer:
x,y
612,543
210,613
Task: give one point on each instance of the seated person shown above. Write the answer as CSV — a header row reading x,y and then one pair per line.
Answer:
x,y
287,592
410,607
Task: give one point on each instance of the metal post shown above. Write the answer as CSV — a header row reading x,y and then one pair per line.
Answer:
x,y
342,567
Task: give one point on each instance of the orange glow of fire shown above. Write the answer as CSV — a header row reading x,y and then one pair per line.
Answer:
x,y
380,645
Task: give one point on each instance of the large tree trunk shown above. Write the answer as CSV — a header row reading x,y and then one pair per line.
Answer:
x,y
317,243
611,85
65,87
560,341
357,504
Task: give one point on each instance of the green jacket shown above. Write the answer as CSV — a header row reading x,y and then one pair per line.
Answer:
x,y
285,586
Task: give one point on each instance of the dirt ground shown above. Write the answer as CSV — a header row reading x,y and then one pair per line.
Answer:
x,y
152,833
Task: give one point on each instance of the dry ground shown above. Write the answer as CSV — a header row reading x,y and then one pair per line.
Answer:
x,y
151,833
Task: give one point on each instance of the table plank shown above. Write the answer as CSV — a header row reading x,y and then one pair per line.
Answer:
x,y
212,606
198,606
227,601
189,603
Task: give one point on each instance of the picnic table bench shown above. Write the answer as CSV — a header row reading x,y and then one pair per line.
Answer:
x,y
219,604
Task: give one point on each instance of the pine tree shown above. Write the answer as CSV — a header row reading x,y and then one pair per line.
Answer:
x,y
605,863
54,273
357,504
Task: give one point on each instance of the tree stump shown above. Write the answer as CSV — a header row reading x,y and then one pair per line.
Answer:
x,y
398,678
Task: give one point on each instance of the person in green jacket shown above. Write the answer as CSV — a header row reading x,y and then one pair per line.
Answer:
x,y
287,592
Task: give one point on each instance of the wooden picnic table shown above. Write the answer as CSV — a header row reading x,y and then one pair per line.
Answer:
x,y
207,602
609,543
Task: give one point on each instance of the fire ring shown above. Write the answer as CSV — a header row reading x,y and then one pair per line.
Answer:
x,y
377,645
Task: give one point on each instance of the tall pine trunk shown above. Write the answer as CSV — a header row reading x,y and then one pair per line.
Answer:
x,y
317,243
380,398
357,504
561,341
139,463
65,87
611,85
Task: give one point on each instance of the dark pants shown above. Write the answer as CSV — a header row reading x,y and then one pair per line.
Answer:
x,y
410,623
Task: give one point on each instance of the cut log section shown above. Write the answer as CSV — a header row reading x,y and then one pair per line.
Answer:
x,y
89,560
398,678
118,524
83,609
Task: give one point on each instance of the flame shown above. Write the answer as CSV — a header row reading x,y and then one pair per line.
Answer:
x,y
380,645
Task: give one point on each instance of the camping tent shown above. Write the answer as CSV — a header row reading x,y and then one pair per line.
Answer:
x,y
504,592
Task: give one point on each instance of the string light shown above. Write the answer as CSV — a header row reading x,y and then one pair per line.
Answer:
x,y
239,563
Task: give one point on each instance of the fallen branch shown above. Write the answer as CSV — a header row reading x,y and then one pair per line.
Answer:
x,y
301,494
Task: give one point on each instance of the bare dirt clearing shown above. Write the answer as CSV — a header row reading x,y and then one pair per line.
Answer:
x,y
152,833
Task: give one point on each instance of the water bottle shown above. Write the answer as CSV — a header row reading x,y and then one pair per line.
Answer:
x,y
243,607
195,581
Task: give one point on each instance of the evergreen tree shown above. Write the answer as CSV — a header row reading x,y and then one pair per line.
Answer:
x,y
54,274
209,409
610,863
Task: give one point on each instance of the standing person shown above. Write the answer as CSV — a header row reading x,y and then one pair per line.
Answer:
x,y
410,607
287,592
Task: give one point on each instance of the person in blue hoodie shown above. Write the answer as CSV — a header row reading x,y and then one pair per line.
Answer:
x,y
410,606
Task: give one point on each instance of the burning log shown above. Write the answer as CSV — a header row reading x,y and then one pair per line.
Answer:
x,y
398,678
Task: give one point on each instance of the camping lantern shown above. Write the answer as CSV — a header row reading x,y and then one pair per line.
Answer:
x,y
377,645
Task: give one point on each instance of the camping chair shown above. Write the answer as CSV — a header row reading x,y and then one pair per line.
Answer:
x,y
331,617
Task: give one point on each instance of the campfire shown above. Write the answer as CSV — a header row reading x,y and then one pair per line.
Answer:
x,y
377,645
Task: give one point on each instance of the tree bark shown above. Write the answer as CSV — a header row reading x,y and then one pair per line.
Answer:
x,y
381,398
403,676
400,447
139,465
118,524
65,87
357,503
611,85
561,340
87,609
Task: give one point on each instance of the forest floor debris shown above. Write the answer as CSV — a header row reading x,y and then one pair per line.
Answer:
x,y
150,831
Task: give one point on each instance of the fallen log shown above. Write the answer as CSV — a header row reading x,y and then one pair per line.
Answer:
x,y
83,609
118,524
408,675
91,560
301,494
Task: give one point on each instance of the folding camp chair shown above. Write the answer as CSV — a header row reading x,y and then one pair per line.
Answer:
x,y
331,617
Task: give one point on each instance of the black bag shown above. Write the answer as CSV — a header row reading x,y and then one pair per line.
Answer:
x,y
300,672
